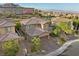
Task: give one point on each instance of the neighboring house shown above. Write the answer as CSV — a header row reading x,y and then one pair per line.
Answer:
x,y
35,27
6,26
7,30
10,8
28,11
35,22
9,36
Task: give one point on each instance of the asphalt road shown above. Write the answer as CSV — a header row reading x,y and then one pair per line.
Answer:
x,y
73,50
63,48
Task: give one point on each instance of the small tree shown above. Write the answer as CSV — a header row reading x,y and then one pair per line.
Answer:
x,y
65,27
35,44
55,31
18,25
76,24
10,48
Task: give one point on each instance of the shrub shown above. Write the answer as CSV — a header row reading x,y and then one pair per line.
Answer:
x,y
55,31
76,24
18,25
10,48
35,44
65,27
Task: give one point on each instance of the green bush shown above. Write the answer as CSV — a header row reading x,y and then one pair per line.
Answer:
x,y
76,24
18,25
36,44
55,31
65,27
10,48
61,27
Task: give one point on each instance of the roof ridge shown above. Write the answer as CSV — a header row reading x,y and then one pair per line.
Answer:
x,y
38,19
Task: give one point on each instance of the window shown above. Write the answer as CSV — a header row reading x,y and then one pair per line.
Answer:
x,y
8,29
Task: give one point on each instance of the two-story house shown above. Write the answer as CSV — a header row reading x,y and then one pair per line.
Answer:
x,y
35,22
6,26
7,30
35,27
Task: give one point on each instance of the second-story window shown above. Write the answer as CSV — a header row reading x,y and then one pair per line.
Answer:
x,y
8,29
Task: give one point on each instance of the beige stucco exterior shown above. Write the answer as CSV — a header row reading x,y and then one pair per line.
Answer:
x,y
42,26
46,25
4,30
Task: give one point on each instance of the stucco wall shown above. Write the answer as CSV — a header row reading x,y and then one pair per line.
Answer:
x,y
3,30
46,25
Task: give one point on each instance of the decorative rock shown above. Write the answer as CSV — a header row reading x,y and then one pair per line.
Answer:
x,y
43,51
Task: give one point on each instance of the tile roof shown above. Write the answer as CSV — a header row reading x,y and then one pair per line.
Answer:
x,y
9,5
34,20
8,36
6,23
35,31
24,21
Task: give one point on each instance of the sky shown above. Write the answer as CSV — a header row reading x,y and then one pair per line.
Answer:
x,y
56,6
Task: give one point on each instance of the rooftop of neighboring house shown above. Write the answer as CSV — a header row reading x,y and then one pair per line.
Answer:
x,y
34,20
6,23
36,32
60,19
9,5
9,36
28,10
